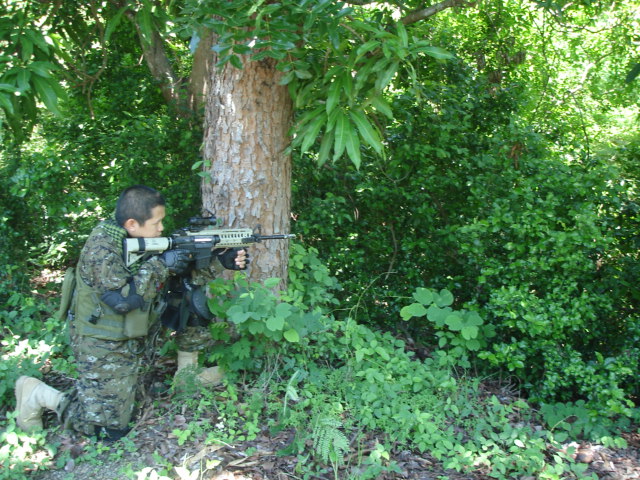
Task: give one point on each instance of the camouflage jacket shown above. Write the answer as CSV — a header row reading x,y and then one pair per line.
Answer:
x,y
102,267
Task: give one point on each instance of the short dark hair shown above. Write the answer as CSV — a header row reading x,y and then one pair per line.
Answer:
x,y
137,202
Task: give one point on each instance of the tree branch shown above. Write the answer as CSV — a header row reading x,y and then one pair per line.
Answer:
x,y
418,15
160,66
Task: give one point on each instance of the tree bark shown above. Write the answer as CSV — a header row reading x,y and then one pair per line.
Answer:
x,y
247,116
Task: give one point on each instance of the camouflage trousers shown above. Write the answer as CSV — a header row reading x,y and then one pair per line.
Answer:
x,y
108,378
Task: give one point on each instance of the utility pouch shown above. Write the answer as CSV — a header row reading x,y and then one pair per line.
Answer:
x,y
136,323
68,287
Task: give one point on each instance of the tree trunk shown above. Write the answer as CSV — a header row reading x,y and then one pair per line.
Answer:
x,y
247,116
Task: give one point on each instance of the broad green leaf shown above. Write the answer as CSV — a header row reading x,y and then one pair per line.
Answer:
x,y
333,96
312,131
271,282
402,34
436,52
444,299
366,130
26,47
381,106
341,132
454,321
292,336
383,353
275,323
353,146
46,93
438,315
235,61
283,310
387,75
469,332
325,147
5,102
145,23
23,80
413,310
41,68
367,47
423,295
113,23
237,315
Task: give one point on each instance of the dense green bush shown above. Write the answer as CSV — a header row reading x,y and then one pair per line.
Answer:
x,y
539,240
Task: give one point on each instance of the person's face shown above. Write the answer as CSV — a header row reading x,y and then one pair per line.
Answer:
x,y
151,228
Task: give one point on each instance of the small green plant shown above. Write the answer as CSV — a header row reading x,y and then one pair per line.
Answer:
x,y
329,442
459,332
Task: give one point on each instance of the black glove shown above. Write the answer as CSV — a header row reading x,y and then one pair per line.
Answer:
x,y
120,304
177,261
228,256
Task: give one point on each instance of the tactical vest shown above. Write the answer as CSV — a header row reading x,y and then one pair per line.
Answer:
x,y
93,318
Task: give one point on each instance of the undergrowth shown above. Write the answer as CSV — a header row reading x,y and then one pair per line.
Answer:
x,y
355,397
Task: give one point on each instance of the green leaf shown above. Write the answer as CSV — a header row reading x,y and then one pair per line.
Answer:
x,y
275,323
381,106
436,52
113,23
312,131
386,76
145,23
272,282
413,310
42,69
47,94
353,146
235,61
5,103
444,299
341,132
367,47
292,336
325,147
454,321
237,315
423,295
438,315
402,34
366,130
333,96
469,332
283,310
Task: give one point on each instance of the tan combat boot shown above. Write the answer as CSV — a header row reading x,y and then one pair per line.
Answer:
x,y
32,397
206,376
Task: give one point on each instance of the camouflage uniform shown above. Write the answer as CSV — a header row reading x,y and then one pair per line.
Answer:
x,y
108,370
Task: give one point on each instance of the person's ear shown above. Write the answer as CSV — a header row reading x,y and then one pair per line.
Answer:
x,y
131,225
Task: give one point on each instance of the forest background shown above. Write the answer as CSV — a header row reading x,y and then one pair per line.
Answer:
x,y
463,187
